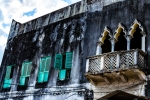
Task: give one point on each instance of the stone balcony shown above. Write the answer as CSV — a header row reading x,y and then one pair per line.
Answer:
x,y
114,66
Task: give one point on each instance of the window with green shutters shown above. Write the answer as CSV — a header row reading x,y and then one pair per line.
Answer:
x,y
63,62
8,77
25,72
44,69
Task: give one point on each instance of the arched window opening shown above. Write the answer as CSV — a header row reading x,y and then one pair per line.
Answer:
x,y
104,44
106,47
136,41
121,43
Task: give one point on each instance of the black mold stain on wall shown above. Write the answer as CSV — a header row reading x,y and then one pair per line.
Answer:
x,y
59,37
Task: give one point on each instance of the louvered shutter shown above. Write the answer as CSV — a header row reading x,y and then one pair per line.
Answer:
x,y
68,63
42,64
8,72
46,71
29,66
7,83
23,74
7,80
41,73
24,69
22,80
58,61
40,77
48,60
62,74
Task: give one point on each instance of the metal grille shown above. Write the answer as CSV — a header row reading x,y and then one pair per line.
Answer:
x,y
141,61
110,62
127,60
94,65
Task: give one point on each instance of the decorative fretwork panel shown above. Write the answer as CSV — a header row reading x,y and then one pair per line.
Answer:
x,y
127,59
94,65
116,61
110,62
141,61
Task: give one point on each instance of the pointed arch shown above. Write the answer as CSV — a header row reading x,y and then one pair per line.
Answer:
x,y
137,36
105,33
118,31
136,24
101,46
119,37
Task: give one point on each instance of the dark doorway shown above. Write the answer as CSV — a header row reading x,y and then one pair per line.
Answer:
x,y
106,47
121,44
136,41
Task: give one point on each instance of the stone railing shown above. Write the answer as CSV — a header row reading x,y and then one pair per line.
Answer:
x,y
116,61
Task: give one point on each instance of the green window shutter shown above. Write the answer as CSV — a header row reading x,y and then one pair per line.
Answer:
x,y
22,80
8,72
29,66
62,74
41,71
46,76
25,72
7,80
48,61
42,65
7,83
40,77
58,61
68,63
47,67
24,69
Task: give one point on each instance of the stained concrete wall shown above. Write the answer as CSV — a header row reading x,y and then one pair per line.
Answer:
x,y
78,33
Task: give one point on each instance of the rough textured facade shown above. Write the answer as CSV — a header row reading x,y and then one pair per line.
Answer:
x,y
76,28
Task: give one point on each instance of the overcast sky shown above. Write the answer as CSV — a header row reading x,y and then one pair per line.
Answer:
x,y
23,11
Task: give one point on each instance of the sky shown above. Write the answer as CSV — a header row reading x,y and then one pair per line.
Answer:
x,y
23,11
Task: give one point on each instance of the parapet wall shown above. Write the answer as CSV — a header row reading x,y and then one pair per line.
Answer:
x,y
58,15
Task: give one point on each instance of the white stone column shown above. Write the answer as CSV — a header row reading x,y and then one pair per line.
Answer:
x,y
99,48
112,44
128,42
143,42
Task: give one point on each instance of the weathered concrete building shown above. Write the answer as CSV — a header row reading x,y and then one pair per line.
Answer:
x,y
93,49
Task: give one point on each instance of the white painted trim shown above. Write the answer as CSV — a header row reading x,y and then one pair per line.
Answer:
x,y
87,65
143,43
99,49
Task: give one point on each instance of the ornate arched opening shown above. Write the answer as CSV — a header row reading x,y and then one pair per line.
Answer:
x,y
137,36
104,44
120,40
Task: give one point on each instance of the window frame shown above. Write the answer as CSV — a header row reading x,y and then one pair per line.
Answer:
x,y
8,77
65,66
43,72
25,73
